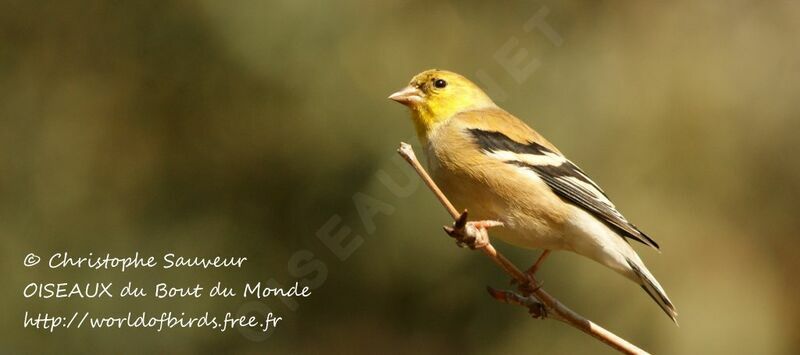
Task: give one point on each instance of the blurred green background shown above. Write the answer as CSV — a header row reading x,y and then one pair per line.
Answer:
x,y
210,128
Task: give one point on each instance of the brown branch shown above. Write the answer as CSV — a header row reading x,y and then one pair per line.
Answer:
x,y
533,297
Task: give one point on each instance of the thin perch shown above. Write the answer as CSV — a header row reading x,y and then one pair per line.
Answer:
x,y
538,302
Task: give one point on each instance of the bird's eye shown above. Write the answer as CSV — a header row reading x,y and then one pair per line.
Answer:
x,y
439,83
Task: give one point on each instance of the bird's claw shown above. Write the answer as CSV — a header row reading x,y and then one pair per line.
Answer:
x,y
531,272
530,287
535,308
471,234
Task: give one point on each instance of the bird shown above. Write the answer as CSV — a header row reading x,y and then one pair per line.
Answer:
x,y
511,178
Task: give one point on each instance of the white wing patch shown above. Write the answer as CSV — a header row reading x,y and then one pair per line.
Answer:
x,y
578,179
536,160
590,188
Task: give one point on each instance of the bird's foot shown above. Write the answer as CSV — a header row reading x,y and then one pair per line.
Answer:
x,y
535,308
471,234
531,272
530,287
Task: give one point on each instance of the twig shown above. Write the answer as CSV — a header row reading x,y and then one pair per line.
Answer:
x,y
534,297
535,308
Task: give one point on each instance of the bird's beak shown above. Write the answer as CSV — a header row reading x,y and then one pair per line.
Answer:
x,y
407,96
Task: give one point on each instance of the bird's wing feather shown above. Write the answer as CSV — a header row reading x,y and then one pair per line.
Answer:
x,y
563,177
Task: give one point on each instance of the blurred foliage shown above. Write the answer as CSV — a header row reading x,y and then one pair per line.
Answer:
x,y
211,128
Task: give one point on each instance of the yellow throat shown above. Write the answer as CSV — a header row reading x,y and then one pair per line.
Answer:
x,y
434,96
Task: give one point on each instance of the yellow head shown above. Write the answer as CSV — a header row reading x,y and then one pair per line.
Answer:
x,y
434,96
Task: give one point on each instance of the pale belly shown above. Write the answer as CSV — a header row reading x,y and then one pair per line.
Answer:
x,y
521,227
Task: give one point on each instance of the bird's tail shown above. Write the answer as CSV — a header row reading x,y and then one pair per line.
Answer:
x,y
651,286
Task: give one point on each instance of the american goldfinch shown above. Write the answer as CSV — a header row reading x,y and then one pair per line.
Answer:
x,y
485,159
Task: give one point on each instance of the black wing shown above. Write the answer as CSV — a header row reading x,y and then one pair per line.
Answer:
x,y
562,176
